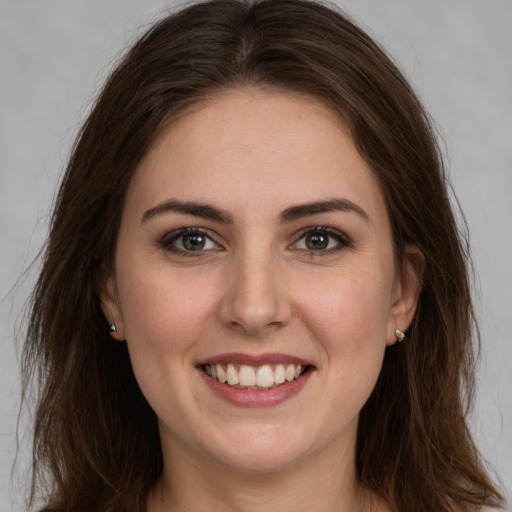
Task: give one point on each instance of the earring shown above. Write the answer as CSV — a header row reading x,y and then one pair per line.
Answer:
x,y
113,328
400,336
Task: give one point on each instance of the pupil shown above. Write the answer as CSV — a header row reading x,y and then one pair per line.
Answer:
x,y
317,241
193,242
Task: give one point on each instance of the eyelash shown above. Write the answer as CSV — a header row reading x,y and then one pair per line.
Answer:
x,y
167,242
342,240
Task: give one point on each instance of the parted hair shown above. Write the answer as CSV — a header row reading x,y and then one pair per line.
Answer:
x,y
96,443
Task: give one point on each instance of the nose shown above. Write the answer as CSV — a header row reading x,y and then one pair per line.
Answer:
x,y
255,299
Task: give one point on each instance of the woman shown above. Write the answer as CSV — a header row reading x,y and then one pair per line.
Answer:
x,y
254,296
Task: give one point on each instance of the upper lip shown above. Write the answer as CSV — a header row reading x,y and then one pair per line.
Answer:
x,y
255,359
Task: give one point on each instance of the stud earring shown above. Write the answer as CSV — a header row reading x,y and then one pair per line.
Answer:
x,y
400,336
113,328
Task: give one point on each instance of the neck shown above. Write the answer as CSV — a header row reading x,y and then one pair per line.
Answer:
x,y
325,483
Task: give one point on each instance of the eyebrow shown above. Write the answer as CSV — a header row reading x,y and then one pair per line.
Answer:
x,y
207,211
305,210
202,210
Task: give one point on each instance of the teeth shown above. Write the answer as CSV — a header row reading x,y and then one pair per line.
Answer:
x,y
280,374
265,377
221,374
232,375
290,372
244,376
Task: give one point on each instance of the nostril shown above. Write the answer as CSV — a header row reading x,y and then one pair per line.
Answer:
x,y
253,299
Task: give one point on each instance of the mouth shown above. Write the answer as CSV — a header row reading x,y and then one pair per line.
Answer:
x,y
263,380
255,377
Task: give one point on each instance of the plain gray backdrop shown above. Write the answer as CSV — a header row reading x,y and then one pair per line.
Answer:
x,y
54,55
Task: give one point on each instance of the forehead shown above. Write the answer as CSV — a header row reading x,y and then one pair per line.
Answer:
x,y
255,146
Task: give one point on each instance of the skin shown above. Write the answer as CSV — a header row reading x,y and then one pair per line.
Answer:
x,y
256,288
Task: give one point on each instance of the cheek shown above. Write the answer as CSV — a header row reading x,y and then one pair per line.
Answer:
x,y
349,309
349,317
164,315
162,309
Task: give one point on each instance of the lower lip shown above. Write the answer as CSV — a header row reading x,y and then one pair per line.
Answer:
x,y
257,397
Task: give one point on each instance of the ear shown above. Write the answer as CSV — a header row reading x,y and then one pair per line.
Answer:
x,y
110,307
406,291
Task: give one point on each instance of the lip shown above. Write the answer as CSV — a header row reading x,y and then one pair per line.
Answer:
x,y
255,360
253,398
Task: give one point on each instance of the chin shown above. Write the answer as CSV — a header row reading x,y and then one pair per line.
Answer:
x,y
261,449
258,463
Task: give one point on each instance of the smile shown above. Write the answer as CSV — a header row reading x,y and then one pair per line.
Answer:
x,y
250,380
248,377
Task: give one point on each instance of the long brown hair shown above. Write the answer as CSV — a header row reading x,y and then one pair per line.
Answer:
x,y
96,443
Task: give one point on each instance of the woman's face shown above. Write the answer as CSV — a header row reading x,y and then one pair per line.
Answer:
x,y
255,246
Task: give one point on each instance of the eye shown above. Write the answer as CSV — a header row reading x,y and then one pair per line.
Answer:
x,y
188,240
321,239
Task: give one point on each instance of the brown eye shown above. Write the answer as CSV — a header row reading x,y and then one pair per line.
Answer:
x,y
316,241
193,242
321,240
189,240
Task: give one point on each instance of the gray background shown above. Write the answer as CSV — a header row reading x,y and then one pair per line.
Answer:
x,y
457,53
